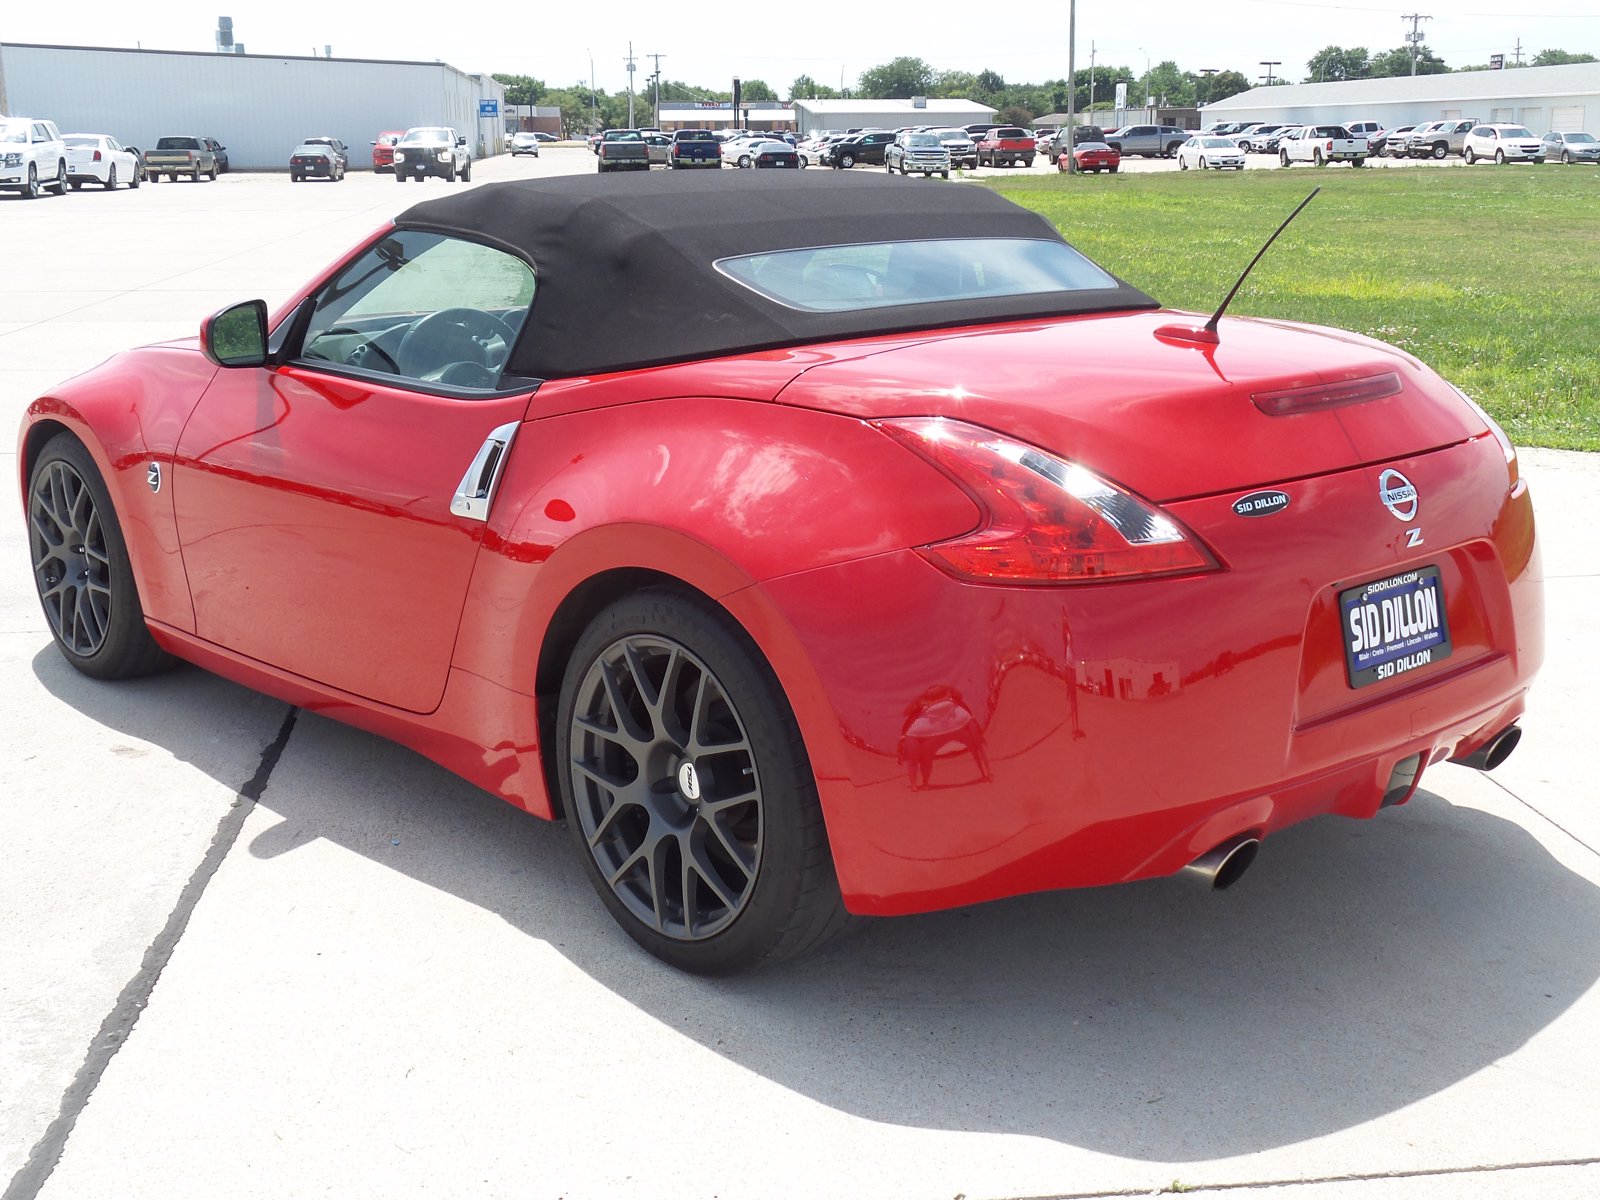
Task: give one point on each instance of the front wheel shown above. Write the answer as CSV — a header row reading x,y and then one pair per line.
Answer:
x,y
688,791
1499,158
1566,158
1441,150
1204,165
32,191
1283,158
81,568
847,160
466,173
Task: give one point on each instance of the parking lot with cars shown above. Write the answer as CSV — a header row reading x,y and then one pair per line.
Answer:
x,y
254,952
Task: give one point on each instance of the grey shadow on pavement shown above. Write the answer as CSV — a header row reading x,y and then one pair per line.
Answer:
x,y
1356,969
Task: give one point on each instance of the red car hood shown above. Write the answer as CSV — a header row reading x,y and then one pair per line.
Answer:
x,y
1166,417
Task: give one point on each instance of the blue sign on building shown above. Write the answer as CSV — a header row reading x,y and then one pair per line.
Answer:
x,y
488,108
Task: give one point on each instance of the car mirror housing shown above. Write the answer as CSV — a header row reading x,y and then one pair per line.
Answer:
x,y
236,336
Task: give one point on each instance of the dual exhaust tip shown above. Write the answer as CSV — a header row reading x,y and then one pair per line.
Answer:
x,y
1221,867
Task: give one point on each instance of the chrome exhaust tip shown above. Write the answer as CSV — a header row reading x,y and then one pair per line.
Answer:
x,y
1220,868
1493,752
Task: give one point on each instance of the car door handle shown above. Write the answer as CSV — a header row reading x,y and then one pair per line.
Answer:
x,y
476,492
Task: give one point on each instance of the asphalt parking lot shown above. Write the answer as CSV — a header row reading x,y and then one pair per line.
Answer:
x,y
248,952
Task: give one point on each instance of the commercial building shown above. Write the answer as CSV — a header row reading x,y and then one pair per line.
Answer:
x,y
1564,98
813,116
258,106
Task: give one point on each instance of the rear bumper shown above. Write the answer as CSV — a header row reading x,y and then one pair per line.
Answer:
x,y
984,742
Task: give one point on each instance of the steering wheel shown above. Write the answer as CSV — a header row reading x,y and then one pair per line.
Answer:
x,y
451,335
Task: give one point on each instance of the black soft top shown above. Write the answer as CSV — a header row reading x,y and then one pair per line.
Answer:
x,y
625,274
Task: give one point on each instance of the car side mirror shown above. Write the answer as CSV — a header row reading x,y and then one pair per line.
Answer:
x,y
236,336
461,141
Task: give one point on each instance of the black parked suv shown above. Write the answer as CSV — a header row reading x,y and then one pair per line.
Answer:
x,y
868,147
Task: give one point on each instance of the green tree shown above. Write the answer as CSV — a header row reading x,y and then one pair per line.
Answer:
x,y
1559,58
1017,114
990,83
752,90
806,88
1335,63
1392,63
1224,84
521,89
899,79
954,85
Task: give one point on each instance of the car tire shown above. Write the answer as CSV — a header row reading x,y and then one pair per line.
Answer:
x,y
1499,158
944,174
1183,163
1283,158
1358,162
847,160
1566,158
466,172
31,190
1113,170
111,178
1469,156
1441,150
138,178
81,569
399,176
1317,159
77,184
61,177
1204,165
687,789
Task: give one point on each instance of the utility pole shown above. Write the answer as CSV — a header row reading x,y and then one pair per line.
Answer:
x,y
631,69
1517,54
594,116
1091,76
656,78
1277,62
1072,83
1414,38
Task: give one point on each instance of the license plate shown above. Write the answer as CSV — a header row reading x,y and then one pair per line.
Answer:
x,y
1393,626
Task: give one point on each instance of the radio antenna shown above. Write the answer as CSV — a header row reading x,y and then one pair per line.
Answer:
x,y
1211,325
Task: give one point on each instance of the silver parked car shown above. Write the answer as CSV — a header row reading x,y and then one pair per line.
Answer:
x,y
1571,147
917,152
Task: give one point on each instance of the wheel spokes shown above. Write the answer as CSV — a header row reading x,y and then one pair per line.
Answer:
x,y
679,849
72,566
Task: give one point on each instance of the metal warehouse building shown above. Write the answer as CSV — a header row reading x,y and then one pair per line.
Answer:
x,y
1565,99
816,115
258,106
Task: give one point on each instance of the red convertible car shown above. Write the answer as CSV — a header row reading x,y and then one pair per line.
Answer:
x,y
814,546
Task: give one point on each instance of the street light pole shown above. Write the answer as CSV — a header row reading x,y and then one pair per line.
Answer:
x,y
1146,54
594,119
1072,83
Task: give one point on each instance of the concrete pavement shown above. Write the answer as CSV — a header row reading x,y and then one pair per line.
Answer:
x,y
246,952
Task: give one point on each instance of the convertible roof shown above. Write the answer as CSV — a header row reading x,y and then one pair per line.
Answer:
x,y
625,273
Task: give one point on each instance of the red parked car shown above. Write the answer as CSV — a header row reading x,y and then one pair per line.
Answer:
x,y
383,149
1092,156
897,557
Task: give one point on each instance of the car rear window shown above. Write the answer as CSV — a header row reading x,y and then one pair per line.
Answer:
x,y
1012,133
884,274
178,143
80,141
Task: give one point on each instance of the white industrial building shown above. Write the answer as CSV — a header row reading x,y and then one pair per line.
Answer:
x,y
258,106
1565,99
813,116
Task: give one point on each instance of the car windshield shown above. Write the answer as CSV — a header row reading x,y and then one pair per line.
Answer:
x,y
1514,131
1212,143
884,274
388,139
178,143
922,139
425,137
13,131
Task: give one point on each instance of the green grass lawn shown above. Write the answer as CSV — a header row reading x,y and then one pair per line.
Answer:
x,y
1490,275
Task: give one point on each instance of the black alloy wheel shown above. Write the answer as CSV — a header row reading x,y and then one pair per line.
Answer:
x,y
32,190
688,791
81,568
111,178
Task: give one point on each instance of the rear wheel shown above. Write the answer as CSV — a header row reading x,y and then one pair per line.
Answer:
x,y
111,178
688,791
1316,157
81,568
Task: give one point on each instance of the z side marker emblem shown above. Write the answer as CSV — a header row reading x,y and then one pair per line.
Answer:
x,y
1261,504
152,476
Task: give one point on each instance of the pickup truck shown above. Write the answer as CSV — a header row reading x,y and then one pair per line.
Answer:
x,y
1007,144
695,148
180,155
623,150
1320,144
1441,140
1148,141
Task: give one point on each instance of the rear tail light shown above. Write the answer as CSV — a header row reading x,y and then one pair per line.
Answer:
x,y
97,156
1045,520
1506,448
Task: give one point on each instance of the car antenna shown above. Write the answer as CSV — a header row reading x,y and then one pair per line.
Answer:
x,y
1208,332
